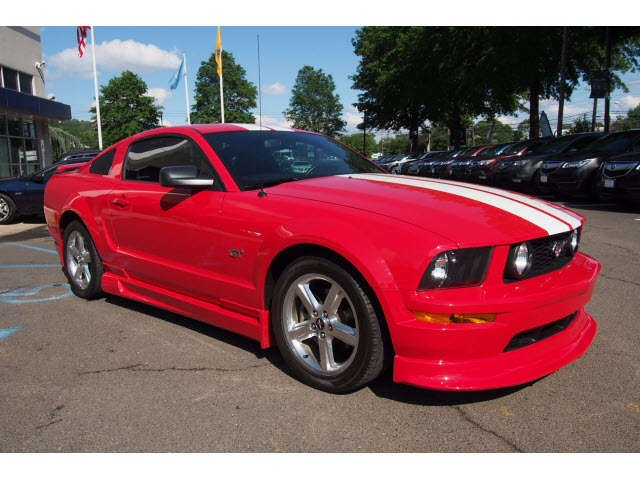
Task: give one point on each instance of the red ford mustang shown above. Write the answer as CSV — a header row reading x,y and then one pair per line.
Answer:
x,y
343,267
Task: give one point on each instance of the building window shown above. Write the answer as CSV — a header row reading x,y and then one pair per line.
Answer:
x,y
18,81
19,154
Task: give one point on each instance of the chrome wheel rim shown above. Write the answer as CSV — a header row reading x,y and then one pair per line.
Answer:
x,y
4,209
78,260
321,325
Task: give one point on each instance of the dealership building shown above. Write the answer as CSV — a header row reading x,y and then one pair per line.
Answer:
x,y
25,110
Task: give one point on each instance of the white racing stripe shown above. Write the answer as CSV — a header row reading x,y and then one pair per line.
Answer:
x,y
532,202
539,218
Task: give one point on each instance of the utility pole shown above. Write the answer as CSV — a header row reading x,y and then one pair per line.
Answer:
x,y
565,46
607,67
593,119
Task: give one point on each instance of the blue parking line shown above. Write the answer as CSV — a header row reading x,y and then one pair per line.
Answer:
x,y
33,248
5,332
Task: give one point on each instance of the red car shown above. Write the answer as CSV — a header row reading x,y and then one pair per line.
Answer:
x,y
343,267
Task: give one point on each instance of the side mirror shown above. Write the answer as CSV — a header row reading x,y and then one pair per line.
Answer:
x,y
38,178
183,176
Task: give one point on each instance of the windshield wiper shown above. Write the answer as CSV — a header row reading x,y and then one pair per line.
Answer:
x,y
270,183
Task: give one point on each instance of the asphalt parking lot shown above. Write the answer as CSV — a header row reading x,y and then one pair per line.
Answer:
x,y
112,375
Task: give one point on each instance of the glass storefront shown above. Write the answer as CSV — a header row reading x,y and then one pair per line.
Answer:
x,y
19,154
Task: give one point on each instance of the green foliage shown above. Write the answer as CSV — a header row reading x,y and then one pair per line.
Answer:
x,y
410,75
581,125
62,141
632,120
125,108
501,133
239,93
313,105
357,142
85,132
396,145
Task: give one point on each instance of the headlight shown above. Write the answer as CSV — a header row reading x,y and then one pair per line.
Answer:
x,y
519,261
519,163
576,164
483,163
575,240
466,267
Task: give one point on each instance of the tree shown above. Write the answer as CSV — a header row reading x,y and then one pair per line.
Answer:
x,y
314,106
125,108
84,131
581,125
239,93
632,120
357,142
62,141
501,133
410,75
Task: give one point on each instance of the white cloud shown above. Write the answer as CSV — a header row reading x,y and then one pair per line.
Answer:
x,y
353,117
626,103
166,123
160,94
116,55
274,122
275,89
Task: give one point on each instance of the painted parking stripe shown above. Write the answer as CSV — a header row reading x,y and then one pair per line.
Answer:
x,y
33,248
539,218
5,332
566,217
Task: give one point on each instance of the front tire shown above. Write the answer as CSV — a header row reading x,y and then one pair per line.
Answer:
x,y
82,264
326,326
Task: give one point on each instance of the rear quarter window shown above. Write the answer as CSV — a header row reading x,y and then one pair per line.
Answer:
x,y
102,164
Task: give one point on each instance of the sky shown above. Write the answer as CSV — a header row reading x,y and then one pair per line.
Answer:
x,y
154,51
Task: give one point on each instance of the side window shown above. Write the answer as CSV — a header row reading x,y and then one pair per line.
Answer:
x,y
583,142
635,147
146,157
102,164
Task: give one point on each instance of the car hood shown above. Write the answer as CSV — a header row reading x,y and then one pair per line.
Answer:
x,y
469,215
584,155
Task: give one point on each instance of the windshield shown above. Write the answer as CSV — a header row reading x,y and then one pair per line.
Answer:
x,y
616,143
556,146
494,150
514,149
266,158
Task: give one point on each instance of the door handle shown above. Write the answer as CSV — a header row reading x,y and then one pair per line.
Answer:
x,y
120,201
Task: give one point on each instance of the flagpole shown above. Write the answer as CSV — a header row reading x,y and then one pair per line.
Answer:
x,y
186,89
221,100
95,82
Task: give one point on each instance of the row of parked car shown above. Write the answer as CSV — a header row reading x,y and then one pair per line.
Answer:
x,y
603,166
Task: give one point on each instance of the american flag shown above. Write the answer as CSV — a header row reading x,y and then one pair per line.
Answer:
x,y
82,36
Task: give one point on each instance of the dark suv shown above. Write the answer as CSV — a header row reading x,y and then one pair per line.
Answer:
x,y
572,173
523,174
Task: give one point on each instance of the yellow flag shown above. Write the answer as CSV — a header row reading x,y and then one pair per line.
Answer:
x,y
219,53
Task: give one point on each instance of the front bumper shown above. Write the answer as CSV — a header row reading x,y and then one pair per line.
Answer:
x,y
473,356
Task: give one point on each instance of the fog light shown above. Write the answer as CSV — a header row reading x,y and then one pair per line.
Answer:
x,y
454,317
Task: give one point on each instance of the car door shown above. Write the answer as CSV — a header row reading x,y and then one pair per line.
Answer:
x,y
167,236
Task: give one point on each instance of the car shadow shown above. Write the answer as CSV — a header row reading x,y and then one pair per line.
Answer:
x,y
385,387
212,331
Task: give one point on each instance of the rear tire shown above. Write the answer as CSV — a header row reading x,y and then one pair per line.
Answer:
x,y
82,264
326,326
8,210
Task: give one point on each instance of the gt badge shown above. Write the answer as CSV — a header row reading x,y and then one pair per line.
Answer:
x,y
233,253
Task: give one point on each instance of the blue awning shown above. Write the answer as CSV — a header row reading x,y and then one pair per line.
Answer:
x,y
34,105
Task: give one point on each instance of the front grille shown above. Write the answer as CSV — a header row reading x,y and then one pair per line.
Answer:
x,y
618,169
547,255
504,164
534,335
